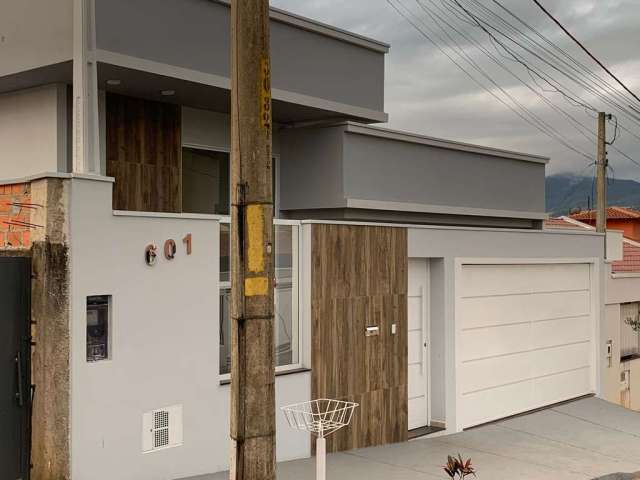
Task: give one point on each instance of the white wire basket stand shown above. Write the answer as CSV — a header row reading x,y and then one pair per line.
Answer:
x,y
320,417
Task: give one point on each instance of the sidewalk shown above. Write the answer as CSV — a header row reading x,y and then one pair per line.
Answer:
x,y
586,439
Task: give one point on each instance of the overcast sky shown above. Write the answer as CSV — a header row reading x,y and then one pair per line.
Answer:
x,y
426,93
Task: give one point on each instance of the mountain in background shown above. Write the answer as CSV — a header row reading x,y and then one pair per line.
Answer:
x,y
566,191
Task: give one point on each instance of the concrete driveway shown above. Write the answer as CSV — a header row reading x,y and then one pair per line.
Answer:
x,y
585,439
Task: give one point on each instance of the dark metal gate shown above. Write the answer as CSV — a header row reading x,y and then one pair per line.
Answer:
x,y
15,347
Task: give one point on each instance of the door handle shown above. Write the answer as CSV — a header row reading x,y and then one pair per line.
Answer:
x,y
19,393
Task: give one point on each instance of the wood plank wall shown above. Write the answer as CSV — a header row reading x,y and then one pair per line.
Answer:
x,y
144,154
359,279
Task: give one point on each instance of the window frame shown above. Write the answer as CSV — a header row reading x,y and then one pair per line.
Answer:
x,y
626,331
296,260
296,241
276,163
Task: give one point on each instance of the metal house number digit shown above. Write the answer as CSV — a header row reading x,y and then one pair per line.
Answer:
x,y
170,249
150,254
187,241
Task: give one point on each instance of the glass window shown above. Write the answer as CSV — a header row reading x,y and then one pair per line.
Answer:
x,y
629,336
285,296
98,320
205,181
286,326
225,253
225,330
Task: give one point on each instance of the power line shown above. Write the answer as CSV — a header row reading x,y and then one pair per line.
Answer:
x,y
515,57
585,49
582,67
583,82
534,120
473,41
617,125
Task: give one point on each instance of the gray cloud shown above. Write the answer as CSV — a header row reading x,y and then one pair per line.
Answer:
x,y
426,93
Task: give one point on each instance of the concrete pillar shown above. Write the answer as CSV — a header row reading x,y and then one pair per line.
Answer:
x,y
85,135
50,312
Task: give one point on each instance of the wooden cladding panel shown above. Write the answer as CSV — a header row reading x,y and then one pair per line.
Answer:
x,y
359,279
144,154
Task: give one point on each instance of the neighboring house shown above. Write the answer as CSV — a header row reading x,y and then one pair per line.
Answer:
x,y
623,308
413,275
621,383
618,218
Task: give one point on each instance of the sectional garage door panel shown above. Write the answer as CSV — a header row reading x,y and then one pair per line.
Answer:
x,y
524,338
484,280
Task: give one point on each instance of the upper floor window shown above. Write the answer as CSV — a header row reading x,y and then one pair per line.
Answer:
x,y
206,181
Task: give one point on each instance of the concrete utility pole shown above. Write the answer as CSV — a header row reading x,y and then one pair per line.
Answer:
x,y
601,175
252,347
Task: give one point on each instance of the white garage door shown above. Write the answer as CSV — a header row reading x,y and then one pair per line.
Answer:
x,y
524,338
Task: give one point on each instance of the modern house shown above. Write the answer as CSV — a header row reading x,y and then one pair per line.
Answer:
x,y
413,274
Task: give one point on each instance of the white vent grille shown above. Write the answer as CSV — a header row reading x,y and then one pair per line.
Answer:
x,y
162,428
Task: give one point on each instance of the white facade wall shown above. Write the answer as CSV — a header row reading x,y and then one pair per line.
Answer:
x,y
165,335
35,33
33,131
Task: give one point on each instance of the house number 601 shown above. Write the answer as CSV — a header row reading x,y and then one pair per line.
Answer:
x,y
169,250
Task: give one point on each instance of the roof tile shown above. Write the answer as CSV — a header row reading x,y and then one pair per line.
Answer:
x,y
612,214
630,262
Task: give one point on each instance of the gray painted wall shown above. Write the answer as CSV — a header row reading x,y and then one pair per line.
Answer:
x,y
452,242
194,34
382,169
330,168
311,168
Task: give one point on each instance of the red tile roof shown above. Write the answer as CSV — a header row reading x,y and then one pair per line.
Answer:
x,y
562,223
613,213
630,262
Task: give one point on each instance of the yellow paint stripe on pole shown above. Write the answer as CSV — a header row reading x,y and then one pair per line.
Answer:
x,y
255,238
256,286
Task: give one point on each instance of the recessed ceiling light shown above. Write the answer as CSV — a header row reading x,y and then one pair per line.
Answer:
x,y
114,82
167,93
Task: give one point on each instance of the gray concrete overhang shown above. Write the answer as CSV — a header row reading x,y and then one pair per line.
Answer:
x,y
375,173
201,90
56,73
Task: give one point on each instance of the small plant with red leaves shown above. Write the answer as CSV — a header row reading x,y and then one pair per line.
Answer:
x,y
459,468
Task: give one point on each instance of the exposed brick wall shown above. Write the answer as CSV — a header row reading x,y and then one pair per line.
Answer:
x,y
15,215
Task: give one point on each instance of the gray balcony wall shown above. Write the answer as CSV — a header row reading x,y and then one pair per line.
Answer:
x,y
195,35
333,172
311,168
394,171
